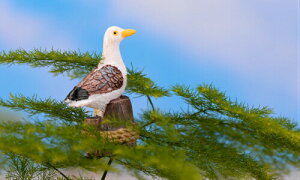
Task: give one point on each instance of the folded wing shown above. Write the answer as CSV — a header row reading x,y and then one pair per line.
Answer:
x,y
99,81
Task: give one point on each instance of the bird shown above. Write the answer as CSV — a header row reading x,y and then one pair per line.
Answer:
x,y
108,80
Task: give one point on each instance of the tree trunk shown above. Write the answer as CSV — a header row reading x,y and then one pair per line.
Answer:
x,y
117,122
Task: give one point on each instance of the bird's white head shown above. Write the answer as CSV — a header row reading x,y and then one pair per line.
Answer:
x,y
116,34
112,39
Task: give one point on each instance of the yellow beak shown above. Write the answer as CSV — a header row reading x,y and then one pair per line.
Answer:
x,y
128,32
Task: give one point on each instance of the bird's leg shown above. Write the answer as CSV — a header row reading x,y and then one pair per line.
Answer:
x,y
98,112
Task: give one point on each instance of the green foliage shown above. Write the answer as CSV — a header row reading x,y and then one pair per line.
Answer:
x,y
73,63
53,145
21,168
216,138
140,84
49,107
156,160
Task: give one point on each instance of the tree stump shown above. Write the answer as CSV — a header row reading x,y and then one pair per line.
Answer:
x,y
121,130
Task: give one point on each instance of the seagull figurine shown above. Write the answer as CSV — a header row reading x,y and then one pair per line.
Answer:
x,y
108,80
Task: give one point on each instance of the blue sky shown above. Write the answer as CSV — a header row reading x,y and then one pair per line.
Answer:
x,y
246,48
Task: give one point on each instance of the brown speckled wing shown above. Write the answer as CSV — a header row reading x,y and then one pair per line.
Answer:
x,y
104,80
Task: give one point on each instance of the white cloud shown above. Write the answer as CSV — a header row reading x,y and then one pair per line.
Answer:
x,y
226,29
236,34
21,29
256,39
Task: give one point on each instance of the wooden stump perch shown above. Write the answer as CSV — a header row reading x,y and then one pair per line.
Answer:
x,y
119,109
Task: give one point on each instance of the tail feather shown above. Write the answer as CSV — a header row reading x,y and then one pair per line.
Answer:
x,y
77,94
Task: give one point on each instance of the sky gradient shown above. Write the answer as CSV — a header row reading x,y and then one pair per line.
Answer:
x,y
249,49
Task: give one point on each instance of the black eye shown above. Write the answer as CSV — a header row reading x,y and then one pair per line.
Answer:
x,y
115,32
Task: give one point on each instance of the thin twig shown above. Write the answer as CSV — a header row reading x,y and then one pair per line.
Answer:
x,y
153,108
105,172
61,173
147,124
151,103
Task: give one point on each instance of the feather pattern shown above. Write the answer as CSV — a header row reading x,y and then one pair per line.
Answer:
x,y
99,81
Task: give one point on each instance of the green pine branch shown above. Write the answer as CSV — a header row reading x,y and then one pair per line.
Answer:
x,y
60,145
257,121
140,84
49,107
217,121
64,146
75,64
24,168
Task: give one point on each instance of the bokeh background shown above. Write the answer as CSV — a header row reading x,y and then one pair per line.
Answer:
x,y
249,49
